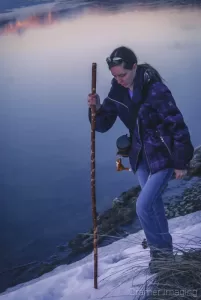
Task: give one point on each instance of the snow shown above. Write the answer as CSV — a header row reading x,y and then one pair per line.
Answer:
x,y
122,268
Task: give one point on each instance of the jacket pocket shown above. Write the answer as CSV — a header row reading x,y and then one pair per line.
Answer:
x,y
167,142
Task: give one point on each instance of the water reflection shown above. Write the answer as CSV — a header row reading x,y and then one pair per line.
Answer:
x,y
44,132
54,12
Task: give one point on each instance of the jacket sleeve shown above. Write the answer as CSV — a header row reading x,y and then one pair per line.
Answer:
x,y
105,116
172,119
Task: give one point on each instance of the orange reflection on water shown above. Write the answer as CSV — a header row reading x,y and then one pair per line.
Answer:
x,y
30,22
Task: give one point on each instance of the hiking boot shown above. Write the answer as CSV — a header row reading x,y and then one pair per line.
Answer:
x,y
160,260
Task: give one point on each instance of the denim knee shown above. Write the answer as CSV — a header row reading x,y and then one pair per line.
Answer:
x,y
141,207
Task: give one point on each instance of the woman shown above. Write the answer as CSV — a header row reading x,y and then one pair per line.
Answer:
x,y
160,140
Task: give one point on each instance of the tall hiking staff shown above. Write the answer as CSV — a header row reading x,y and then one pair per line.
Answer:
x,y
93,176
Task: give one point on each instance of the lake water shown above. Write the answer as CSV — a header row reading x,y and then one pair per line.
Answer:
x,y
45,77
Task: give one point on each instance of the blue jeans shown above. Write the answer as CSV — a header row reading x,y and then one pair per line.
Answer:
x,y
150,207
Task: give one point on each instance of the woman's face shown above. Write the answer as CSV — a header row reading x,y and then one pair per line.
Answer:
x,y
123,76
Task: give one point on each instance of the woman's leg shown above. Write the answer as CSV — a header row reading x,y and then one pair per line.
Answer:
x,y
150,207
143,174
159,212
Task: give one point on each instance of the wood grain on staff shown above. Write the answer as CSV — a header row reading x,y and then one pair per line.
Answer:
x,y
93,177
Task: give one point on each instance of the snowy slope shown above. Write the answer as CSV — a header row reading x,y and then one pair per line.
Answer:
x,y
122,269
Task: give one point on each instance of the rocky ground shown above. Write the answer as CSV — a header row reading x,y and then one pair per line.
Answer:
x,y
123,211
181,198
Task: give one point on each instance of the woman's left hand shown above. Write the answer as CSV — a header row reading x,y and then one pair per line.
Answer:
x,y
180,173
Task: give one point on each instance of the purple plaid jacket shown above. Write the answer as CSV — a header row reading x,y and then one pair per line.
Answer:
x,y
160,130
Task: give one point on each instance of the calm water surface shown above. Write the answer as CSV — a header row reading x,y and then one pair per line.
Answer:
x,y
45,76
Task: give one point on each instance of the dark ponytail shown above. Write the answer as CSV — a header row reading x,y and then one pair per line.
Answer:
x,y
152,72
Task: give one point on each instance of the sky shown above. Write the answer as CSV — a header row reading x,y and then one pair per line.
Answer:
x,y
122,269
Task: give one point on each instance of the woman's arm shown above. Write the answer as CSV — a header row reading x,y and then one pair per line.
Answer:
x,y
106,115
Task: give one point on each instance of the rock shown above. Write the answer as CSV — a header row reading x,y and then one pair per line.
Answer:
x,y
126,197
171,214
195,163
122,213
189,208
117,201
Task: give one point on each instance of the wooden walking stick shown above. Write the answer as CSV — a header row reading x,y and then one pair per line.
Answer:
x,y
93,178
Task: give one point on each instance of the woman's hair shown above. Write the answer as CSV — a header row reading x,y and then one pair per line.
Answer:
x,y
129,58
127,55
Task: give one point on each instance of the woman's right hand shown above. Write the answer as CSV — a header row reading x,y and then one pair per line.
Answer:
x,y
94,99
